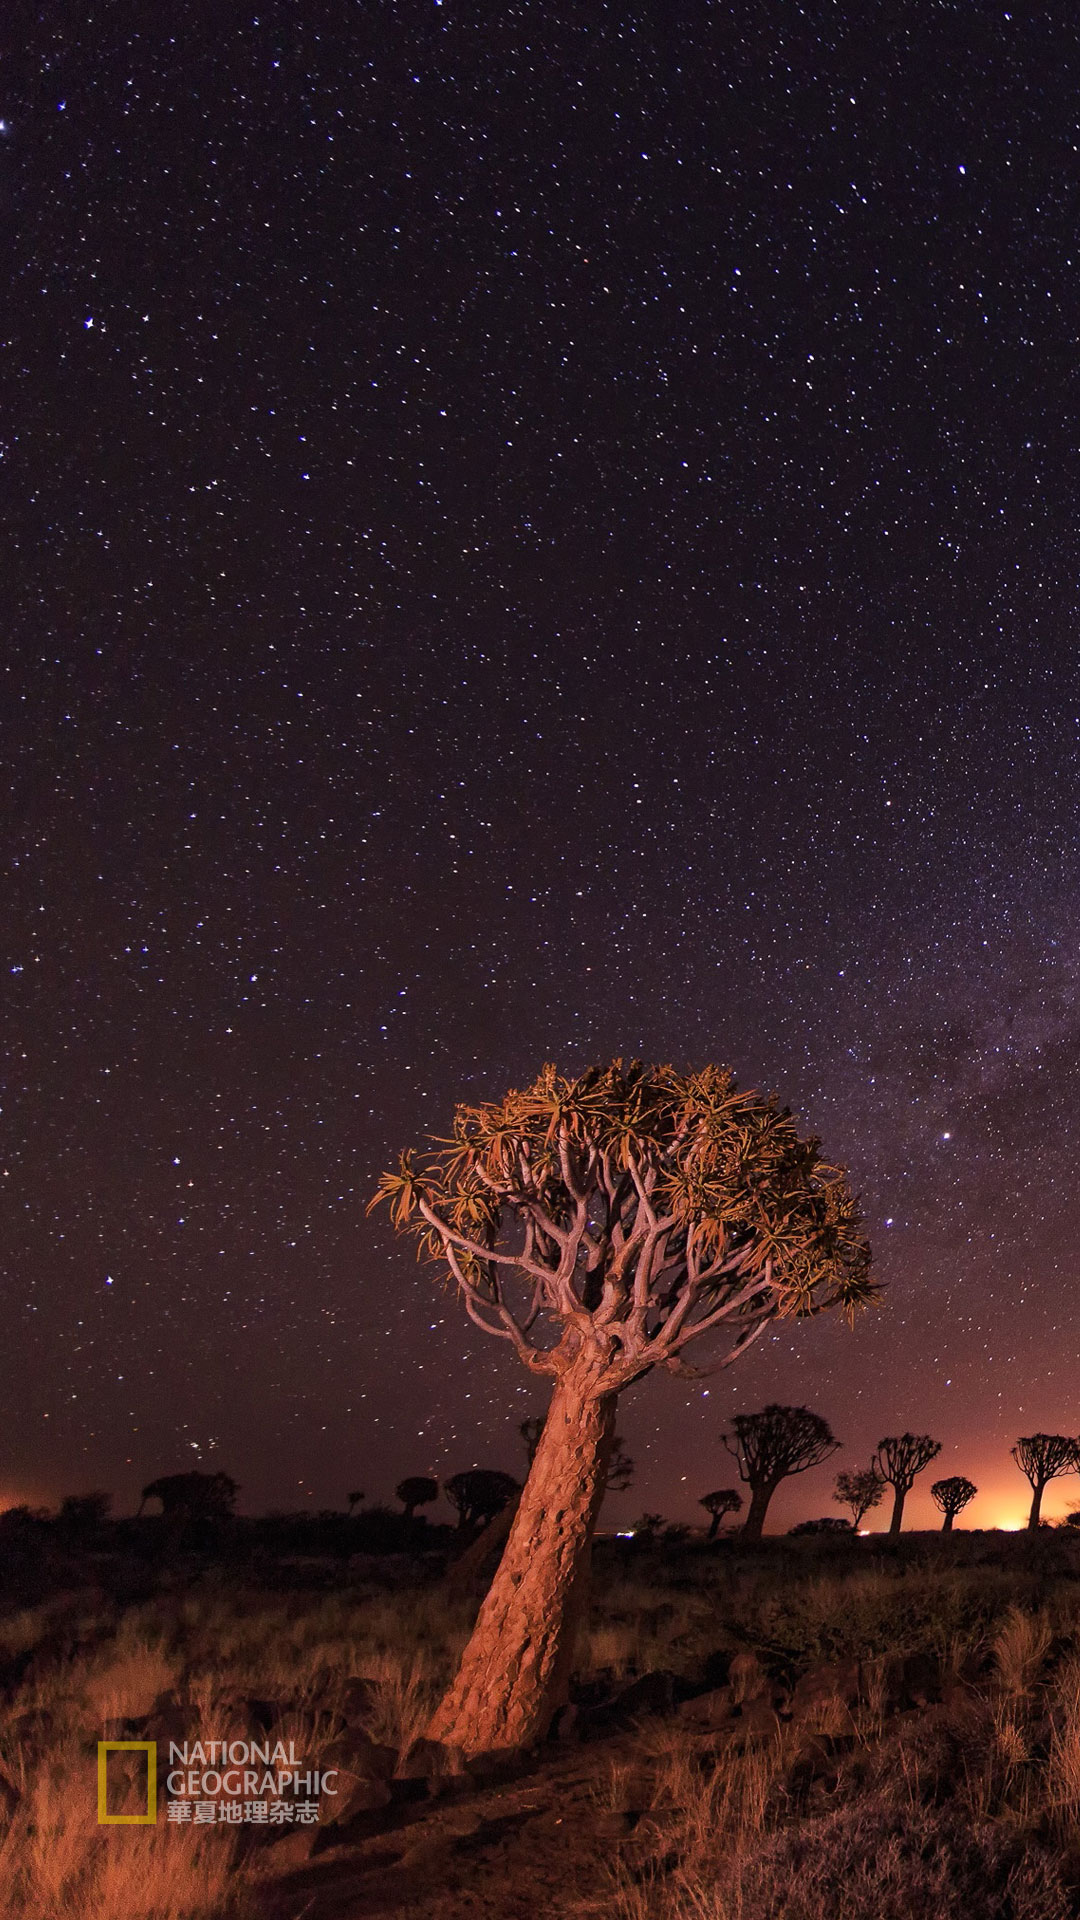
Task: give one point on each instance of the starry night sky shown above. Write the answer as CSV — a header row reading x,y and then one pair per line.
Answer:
x,y
538,532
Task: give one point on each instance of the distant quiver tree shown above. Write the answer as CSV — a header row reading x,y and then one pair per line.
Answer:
x,y
952,1496
769,1447
598,1226
417,1490
861,1490
898,1460
193,1496
1044,1457
479,1494
718,1505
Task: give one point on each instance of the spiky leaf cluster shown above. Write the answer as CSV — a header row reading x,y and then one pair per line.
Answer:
x,y
640,1205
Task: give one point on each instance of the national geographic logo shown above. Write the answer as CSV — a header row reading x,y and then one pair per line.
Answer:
x,y
221,1782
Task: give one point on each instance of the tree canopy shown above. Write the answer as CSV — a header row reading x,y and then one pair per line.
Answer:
x,y
479,1494
951,1496
860,1488
639,1207
1044,1457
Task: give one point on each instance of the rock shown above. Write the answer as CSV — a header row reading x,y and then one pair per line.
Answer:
x,y
357,1753
748,1678
827,1693
354,1795
652,1693
429,1760
491,1769
294,1848
713,1709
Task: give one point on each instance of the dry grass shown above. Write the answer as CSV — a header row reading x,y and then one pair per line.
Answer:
x,y
713,1823
1020,1646
56,1861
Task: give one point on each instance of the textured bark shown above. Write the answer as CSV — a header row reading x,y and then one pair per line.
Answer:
x,y
515,1670
759,1507
899,1496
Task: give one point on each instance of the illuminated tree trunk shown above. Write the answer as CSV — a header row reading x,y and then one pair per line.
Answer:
x,y
515,1670
758,1508
897,1521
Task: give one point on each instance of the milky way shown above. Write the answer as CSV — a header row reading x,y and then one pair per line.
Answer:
x,y
530,537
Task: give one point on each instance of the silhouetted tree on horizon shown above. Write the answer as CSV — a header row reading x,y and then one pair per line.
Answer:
x,y
355,1499
899,1458
770,1447
1044,1457
418,1490
479,1494
83,1513
861,1489
952,1496
598,1225
193,1496
718,1505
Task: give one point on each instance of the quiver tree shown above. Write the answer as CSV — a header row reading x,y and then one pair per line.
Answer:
x,y
952,1496
718,1505
479,1494
355,1499
897,1461
769,1447
861,1490
598,1226
1044,1457
193,1496
418,1490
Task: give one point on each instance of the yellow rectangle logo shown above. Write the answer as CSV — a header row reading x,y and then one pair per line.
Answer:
x,y
107,1819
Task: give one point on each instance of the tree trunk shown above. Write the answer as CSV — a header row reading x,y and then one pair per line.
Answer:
x,y
515,1670
759,1506
946,1525
899,1496
1036,1505
714,1527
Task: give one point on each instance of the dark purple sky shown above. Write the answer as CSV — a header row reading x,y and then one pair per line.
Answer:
x,y
530,537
